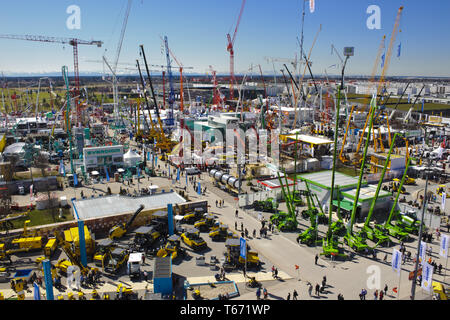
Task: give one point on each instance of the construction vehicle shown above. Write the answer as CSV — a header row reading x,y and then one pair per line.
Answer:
x,y
145,237
50,247
64,264
172,248
408,221
205,224
193,240
194,216
397,231
135,261
410,181
440,189
285,221
115,260
120,230
103,248
268,205
394,186
71,236
221,232
124,293
378,233
29,241
233,259
160,222
312,211
358,242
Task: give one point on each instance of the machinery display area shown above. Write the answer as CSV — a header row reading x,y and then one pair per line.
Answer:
x,y
277,181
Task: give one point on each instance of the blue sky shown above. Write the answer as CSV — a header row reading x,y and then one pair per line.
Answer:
x,y
197,31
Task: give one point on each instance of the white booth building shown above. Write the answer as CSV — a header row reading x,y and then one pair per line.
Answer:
x,y
97,158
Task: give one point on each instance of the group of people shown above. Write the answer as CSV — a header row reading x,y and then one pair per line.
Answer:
x,y
377,294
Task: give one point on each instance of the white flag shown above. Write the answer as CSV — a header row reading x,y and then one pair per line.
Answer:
x,y
427,276
443,202
31,193
396,260
422,251
443,251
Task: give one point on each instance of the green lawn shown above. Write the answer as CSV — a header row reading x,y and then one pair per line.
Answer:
x,y
42,217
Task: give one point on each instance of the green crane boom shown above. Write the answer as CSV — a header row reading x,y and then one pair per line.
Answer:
x,y
380,182
363,163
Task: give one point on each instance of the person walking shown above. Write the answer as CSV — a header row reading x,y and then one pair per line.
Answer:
x,y
254,233
273,271
363,294
236,214
276,273
265,293
258,293
317,290
316,258
375,295
242,226
385,289
294,295
288,296
324,281
310,288
235,225
381,295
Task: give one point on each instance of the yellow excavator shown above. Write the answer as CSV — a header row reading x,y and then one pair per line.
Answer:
x,y
121,229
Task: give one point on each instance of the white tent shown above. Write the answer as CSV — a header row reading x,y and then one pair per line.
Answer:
x,y
131,158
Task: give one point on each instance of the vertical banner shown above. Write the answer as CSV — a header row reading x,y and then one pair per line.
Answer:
x,y
243,248
148,155
427,276
75,179
31,193
107,174
422,251
443,251
36,293
444,196
178,174
396,260
312,6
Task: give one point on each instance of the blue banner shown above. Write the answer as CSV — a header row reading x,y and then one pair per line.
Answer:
x,y
399,50
37,293
75,179
243,248
107,174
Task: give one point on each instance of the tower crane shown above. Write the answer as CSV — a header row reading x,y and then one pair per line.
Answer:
x,y
230,49
71,41
113,68
180,65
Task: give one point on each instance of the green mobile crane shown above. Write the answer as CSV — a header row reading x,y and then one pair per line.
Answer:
x,y
378,233
285,221
397,231
358,242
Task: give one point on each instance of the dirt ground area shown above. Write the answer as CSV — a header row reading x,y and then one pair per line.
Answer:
x,y
211,291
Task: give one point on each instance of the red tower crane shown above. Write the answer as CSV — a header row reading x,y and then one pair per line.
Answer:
x,y
71,41
230,49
